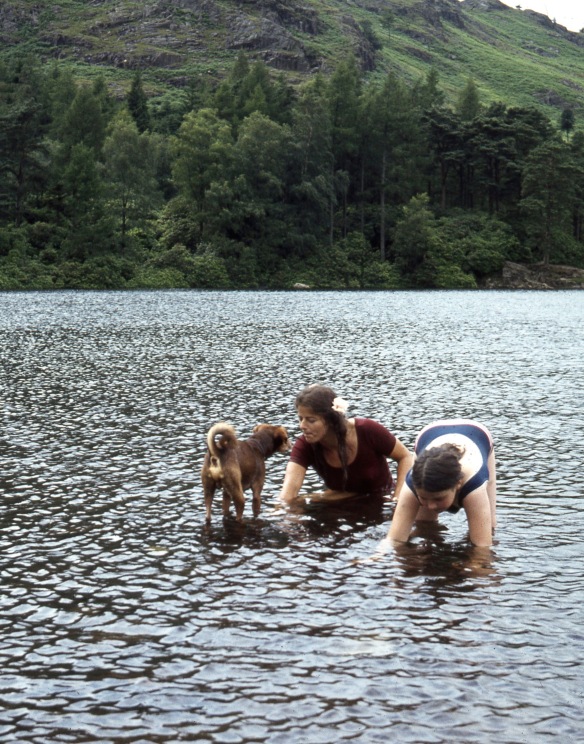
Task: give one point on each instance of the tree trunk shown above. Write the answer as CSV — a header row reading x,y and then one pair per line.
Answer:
x,y
382,207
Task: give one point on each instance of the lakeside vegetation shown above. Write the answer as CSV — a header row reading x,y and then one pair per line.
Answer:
x,y
339,182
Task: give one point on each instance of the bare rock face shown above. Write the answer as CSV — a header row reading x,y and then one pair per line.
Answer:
x,y
276,45
435,13
168,34
174,34
538,276
485,4
293,15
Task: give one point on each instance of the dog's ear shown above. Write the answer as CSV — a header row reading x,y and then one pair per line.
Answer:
x,y
282,436
259,427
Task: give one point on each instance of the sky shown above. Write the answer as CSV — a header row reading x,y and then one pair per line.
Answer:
x,y
568,13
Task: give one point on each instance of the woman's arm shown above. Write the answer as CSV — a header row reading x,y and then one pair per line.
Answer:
x,y
293,480
404,516
479,516
404,459
492,489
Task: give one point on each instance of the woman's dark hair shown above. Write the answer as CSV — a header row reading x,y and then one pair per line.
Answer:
x,y
319,398
438,468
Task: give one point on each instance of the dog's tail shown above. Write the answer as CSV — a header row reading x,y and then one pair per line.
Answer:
x,y
220,438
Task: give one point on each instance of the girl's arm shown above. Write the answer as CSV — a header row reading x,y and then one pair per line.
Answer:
x,y
404,516
479,515
404,459
492,489
293,480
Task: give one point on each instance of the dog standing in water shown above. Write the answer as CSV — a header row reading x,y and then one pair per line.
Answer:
x,y
235,465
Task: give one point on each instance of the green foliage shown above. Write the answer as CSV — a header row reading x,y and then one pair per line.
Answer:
x,y
25,276
202,153
268,187
138,104
13,240
387,19
129,175
469,106
250,89
89,226
450,276
204,271
83,123
567,122
149,277
19,267
509,53
349,264
452,252
482,242
370,35
99,272
413,238
209,272
23,151
550,190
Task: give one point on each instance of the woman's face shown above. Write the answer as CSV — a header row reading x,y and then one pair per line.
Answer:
x,y
312,425
436,501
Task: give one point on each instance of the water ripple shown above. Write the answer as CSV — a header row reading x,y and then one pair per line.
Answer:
x,y
124,617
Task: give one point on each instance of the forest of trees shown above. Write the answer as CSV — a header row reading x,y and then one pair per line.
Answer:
x,y
341,182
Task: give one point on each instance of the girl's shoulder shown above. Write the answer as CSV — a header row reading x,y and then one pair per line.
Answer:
x,y
375,433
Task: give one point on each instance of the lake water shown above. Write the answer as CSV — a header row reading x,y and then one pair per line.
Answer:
x,y
123,618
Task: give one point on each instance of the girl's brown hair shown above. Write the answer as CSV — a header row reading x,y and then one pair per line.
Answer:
x,y
438,468
319,399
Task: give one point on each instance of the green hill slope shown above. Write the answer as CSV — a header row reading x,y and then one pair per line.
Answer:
x,y
519,57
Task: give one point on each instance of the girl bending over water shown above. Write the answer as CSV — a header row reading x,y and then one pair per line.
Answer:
x,y
349,454
454,468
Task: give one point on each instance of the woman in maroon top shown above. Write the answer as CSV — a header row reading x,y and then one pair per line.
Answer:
x,y
350,455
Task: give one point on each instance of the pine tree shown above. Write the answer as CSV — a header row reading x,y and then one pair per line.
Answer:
x,y
567,122
469,105
138,103
550,179
129,173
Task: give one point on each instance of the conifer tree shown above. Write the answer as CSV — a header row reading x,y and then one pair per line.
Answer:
x,y
138,103
550,179
344,92
23,124
567,122
469,106
129,173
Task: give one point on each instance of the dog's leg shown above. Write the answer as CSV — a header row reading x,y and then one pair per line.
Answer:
x,y
233,492
235,495
256,500
209,491
238,502
226,503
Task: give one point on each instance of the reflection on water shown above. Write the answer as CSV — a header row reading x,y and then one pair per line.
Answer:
x,y
124,617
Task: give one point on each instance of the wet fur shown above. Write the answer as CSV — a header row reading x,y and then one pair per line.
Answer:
x,y
235,465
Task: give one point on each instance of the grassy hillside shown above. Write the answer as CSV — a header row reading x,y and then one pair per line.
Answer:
x,y
519,57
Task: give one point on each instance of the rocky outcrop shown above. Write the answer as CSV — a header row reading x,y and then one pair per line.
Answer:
x,y
486,5
275,45
537,276
296,36
435,14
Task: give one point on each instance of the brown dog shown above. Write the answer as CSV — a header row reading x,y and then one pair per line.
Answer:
x,y
236,466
